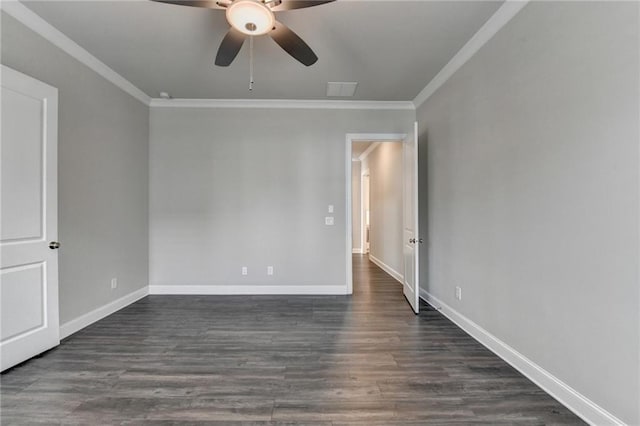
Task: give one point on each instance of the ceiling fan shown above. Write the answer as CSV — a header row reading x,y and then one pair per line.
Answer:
x,y
254,18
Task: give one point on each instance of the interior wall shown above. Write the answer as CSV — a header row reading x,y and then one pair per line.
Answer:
x,y
356,199
532,184
366,189
102,174
251,187
385,169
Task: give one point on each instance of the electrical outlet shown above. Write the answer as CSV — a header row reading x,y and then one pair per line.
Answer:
x,y
245,271
114,283
328,220
269,270
458,293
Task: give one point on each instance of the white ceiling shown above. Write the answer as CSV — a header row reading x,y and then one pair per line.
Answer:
x,y
391,48
358,148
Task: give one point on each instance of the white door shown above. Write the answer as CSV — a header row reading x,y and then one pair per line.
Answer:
x,y
410,218
28,218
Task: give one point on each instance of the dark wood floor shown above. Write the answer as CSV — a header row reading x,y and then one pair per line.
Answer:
x,y
326,360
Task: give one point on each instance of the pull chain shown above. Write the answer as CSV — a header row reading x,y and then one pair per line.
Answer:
x,y
250,63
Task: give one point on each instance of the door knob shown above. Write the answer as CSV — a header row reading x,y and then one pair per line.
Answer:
x,y
53,245
412,240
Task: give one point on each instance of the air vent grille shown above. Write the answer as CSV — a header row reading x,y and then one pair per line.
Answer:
x,y
342,89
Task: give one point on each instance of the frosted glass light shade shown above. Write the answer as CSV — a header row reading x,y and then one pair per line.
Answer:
x,y
250,17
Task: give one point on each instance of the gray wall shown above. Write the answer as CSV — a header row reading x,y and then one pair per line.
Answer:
x,y
356,193
385,168
250,187
102,174
532,186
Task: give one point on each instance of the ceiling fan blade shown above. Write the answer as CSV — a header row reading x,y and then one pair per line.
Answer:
x,y
293,44
298,4
229,48
211,4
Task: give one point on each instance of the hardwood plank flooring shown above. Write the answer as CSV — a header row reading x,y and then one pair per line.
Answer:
x,y
275,360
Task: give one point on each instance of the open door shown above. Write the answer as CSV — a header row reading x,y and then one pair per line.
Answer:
x,y
410,218
29,227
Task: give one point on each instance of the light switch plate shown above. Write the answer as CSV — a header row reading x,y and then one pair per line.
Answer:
x,y
328,220
330,209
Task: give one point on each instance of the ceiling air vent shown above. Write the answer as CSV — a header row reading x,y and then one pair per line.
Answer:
x,y
342,89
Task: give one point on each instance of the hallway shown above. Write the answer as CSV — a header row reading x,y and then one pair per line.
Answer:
x,y
327,360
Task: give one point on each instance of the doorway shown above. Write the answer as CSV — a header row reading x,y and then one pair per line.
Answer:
x,y
382,206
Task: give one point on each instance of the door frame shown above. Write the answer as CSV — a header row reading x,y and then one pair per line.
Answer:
x,y
350,138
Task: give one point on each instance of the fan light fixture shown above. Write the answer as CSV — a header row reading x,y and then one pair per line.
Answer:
x,y
250,17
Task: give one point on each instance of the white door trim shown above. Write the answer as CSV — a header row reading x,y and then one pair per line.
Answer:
x,y
350,138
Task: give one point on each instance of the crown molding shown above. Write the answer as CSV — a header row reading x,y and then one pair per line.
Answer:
x,y
499,19
280,104
38,25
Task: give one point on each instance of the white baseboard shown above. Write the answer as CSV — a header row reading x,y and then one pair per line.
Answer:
x,y
249,289
75,325
388,269
356,251
588,410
